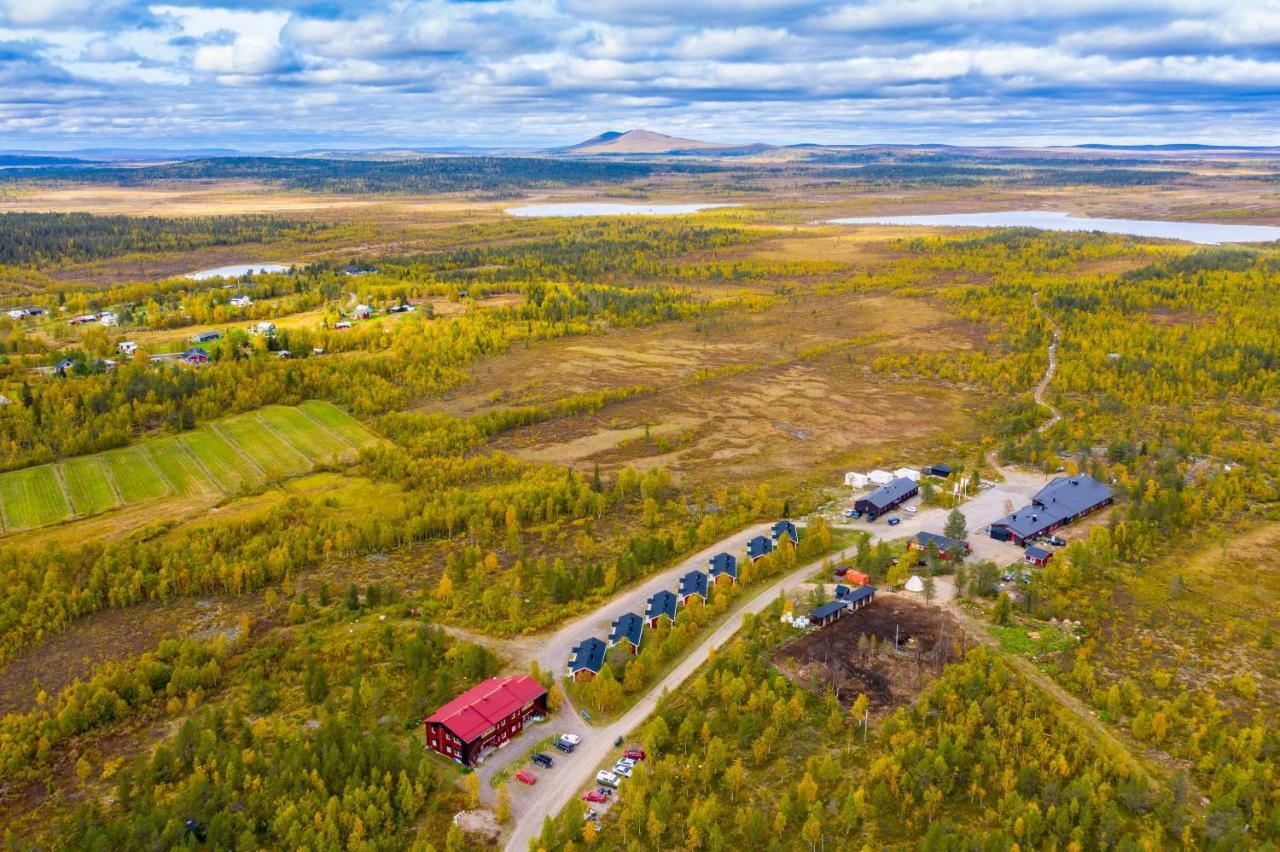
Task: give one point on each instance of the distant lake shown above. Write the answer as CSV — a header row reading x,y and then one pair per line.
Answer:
x,y
1194,232
605,209
237,270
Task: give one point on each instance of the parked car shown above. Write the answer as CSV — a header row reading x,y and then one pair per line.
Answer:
x,y
564,746
604,791
524,776
622,769
853,513
635,753
594,796
627,762
607,778
591,814
618,741
1057,542
909,509
543,760
893,522
571,739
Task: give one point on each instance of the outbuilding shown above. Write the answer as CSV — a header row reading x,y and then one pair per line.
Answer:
x,y
941,471
1035,555
880,477
947,547
853,479
827,613
855,598
887,497
856,578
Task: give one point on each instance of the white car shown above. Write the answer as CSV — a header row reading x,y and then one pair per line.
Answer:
x,y
623,770
571,739
911,509
608,779
628,762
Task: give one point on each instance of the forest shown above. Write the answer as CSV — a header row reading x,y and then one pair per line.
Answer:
x,y
49,239
421,176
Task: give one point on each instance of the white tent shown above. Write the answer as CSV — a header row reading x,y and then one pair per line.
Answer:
x,y
915,584
853,479
907,473
880,477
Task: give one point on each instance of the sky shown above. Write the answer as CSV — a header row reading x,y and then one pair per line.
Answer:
x,y
291,75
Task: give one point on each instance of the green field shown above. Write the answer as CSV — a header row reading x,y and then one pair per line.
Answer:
x,y
177,466
33,497
135,476
337,420
89,487
229,469
210,462
272,454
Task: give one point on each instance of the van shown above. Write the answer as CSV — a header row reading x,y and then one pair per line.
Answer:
x,y
564,746
543,760
607,778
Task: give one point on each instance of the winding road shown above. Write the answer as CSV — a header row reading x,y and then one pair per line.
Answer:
x,y
1043,385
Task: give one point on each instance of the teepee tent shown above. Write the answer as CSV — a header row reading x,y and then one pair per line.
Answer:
x,y
915,584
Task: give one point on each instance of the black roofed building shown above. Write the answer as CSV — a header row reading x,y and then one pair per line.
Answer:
x,y
723,568
759,547
691,584
587,659
784,527
1065,499
827,613
662,605
855,598
947,547
627,628
887,497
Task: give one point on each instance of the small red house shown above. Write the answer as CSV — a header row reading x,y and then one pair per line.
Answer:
x,y
484,717
1034,555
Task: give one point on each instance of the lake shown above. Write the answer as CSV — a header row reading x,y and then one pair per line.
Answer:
x,y
574,208
237,270
1195,232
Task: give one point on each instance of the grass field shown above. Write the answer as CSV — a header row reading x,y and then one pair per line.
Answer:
x,y
33,497
203,466
90,489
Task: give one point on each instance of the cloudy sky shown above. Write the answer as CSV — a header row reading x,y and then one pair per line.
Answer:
x,y
277,74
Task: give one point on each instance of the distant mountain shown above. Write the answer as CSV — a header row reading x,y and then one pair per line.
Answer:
x,y
649,142
1184,146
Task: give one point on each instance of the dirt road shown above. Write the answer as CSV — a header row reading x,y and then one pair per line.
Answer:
x,y
1043,385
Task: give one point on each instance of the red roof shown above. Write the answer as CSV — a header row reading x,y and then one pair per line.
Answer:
x,y
485,704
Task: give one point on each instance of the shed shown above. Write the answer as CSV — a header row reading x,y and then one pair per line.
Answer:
x,y
942,471
1035,555
827,613
880,477
907,473
856,598
853,479
856,578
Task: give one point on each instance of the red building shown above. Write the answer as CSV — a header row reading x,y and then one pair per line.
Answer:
x,y
484,717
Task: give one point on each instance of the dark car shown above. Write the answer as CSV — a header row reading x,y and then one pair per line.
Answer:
x,y
893,522
564,746
543,760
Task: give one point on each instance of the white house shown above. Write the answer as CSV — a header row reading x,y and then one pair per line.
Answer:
x,y
17,313
128,347
881,477
108,318
907,473
266,329
853,479
241,301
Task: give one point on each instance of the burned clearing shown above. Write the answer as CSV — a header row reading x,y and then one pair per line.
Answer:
x,y
889,650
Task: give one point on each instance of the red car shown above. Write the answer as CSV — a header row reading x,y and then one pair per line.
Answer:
x,y
524,776
634,753
594,796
